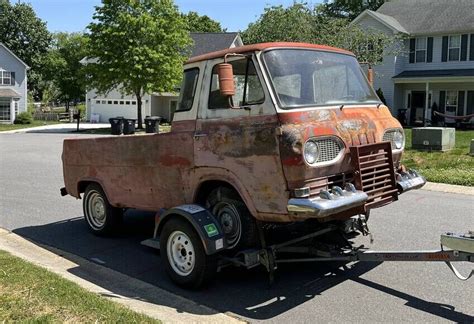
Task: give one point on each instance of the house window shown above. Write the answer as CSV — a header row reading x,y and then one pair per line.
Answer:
x,y
420,49
5,78
4,109
451,102
109,102
134,102
104,102
127,102
454,47
16,108
115,102
121,102
97,102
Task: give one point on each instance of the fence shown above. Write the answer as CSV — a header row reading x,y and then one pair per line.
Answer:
x,y
67,116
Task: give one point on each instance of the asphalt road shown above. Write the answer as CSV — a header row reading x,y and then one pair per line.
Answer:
x,y
30,205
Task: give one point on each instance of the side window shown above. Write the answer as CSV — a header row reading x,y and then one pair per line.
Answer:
x,y
248,88
188,89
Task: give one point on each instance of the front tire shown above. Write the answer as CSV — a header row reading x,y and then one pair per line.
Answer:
x,y
101,217
183,253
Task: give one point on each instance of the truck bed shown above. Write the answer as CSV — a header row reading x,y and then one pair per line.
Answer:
x,y
137,171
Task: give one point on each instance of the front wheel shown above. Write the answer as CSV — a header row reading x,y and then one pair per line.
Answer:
x,y
183,253
102,218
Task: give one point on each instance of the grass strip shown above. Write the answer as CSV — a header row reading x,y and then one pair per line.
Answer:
x,y
29,293
35,123
452,167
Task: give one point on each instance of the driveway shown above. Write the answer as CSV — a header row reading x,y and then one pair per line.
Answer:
x,y
30,205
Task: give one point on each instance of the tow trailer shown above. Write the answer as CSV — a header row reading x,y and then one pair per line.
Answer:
x,y
310,247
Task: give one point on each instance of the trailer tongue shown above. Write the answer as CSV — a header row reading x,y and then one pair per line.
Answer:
x,y
454,248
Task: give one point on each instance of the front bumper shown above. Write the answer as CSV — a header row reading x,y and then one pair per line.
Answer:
x,y
328,203
409,180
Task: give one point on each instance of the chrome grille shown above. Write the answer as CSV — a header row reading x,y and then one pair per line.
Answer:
x,y
329,149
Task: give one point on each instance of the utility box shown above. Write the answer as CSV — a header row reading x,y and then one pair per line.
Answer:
x,y
433,138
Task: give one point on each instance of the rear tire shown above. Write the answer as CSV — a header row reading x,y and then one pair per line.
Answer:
x,y
238,224
183,253
101,217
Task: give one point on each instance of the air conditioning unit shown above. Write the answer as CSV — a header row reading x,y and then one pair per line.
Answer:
x,y
433,138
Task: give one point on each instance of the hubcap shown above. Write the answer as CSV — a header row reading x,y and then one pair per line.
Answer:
x,y
229,218
180,252
96,209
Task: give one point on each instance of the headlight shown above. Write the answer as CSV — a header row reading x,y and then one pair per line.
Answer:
x,y
395,137
311,152
398,140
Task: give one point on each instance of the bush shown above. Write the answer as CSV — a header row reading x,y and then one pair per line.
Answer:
x,y
23,118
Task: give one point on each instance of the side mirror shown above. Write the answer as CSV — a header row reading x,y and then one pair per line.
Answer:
x,y
226,79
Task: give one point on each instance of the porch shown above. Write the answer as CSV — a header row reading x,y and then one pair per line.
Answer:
x,y
430,97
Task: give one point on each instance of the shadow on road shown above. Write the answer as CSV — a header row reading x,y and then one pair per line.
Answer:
x,y
243,292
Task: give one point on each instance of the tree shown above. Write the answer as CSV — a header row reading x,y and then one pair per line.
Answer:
x,y
63,67
201,24
138,46
349,9
27,36
301,23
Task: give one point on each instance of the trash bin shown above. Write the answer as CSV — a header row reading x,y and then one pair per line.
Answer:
x,y
129,126
116,125
152,124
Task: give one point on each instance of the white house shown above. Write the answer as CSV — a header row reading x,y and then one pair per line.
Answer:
x,y
436,66
13,85
115,104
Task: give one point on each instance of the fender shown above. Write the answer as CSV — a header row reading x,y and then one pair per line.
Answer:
x,y
205,224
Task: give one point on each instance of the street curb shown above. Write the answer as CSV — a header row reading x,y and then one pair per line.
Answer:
x,y
135,294
443,187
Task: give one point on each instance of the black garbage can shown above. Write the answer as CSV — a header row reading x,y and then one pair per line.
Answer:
x,y
116,125
129,126
152,124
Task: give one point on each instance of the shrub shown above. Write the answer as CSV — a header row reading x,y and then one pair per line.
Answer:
x,y
23,118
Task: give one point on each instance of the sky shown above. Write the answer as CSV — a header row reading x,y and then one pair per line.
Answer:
x,y
75,15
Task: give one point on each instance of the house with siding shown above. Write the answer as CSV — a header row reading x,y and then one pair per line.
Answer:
x,y
434,71
101,107
13,85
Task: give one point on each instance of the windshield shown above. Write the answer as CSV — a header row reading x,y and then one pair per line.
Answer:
x,y
313,78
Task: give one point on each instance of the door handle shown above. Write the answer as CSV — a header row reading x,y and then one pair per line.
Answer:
x,y
198,135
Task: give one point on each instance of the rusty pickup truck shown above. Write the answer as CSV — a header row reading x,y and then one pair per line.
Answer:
x,y
265,137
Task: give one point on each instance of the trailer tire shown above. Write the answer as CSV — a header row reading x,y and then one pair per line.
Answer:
x,y
239,226
101,217
183,253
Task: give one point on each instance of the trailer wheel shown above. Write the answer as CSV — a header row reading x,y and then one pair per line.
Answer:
x,y
102,218
235,219
183,253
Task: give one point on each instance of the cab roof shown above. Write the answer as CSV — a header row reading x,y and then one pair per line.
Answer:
x,y
264,46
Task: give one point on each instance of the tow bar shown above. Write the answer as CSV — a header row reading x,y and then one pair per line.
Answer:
x,y
454,248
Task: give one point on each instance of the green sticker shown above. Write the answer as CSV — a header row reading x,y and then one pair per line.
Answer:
x,y
211,230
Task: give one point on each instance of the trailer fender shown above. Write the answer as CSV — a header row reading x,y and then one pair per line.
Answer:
x,y
205,224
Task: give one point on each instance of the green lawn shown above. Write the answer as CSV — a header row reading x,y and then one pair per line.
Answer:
x,y
453,167
32,294
35,123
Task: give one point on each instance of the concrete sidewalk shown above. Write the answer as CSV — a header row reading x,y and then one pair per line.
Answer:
x,y
130,292
58,128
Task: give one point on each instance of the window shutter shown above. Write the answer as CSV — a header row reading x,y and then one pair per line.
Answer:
x,y
471,50
470,102
429,54
464,47
444,50
442,101
12,78
460,103
412,50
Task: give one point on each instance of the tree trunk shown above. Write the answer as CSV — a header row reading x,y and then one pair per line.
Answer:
x,y
67,105
139,111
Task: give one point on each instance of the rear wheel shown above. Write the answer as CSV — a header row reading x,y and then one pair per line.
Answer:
x,y
183,253
102,218
238,224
